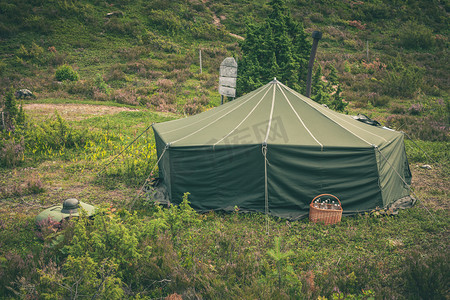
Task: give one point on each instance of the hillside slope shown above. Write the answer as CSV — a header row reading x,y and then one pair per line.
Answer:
x,y
389,54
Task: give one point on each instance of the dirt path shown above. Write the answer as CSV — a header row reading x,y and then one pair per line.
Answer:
x,y
73,112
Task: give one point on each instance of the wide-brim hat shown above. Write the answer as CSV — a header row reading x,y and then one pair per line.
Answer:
x,y
70,208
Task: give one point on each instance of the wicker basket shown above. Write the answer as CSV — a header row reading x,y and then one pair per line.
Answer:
x,y
327,216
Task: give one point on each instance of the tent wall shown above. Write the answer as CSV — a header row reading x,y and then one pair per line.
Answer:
x,y
216,179
298,174
164,163
234,176
393,163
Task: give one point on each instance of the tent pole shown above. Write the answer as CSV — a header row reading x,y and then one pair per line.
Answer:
x,y
317,35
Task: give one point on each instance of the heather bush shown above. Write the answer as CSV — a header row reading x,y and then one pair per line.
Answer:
x,y
165,20
18,275
12,152
124,96
192,107
163,98
180,75
316,17
416,109
65,72
398,109
132,54
165,85
34,185
100,96
116,73
56,58
123,26
424,128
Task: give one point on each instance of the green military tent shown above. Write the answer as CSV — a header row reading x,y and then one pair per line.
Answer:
x,y
273,150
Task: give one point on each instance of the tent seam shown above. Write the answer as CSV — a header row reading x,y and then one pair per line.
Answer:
x,y
229,106
212,115
242,120
216,119
301,121
348,130
271,114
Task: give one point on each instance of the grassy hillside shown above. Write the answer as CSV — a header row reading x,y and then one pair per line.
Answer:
x,y
389,55
141,65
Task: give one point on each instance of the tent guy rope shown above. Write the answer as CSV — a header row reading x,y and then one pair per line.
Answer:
x,y
266,188
150,175
121,152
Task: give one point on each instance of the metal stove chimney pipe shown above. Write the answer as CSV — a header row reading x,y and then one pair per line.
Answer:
x,y
317,35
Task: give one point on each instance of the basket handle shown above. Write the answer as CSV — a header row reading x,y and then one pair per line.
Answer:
x,y
321,195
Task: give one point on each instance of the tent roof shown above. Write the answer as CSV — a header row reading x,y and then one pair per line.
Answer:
x,y
273,114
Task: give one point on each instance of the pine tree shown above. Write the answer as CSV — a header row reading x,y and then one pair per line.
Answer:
x,y
338,103
332,77
11,105
10,110
320,91
275,48
21,116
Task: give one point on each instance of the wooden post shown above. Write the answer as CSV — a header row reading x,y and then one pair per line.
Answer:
x,y
367,50
317,35
227,78
200,57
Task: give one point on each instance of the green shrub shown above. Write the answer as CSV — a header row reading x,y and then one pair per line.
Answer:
x,y
55,136
416,36
404,82
427,275
81,87
65,72
100,84
38,24
36,51
158,42
2,66
380,101
6,30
